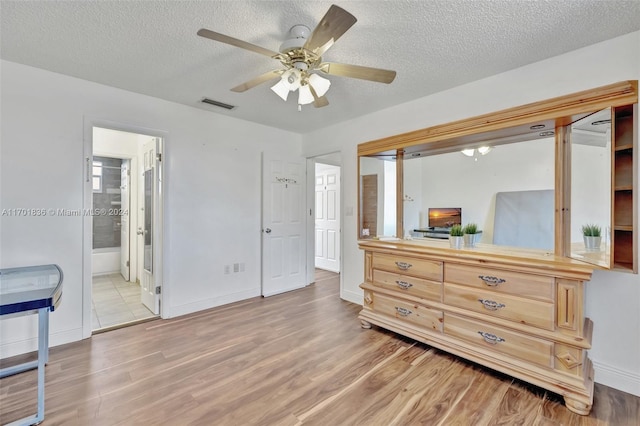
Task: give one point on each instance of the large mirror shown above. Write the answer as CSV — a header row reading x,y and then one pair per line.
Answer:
x,y
507,190
502,181
555,177
590,234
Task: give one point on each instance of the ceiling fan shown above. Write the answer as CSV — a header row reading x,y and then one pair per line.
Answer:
x,y
301,57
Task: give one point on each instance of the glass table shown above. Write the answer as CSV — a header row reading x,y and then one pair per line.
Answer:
x,y
24,291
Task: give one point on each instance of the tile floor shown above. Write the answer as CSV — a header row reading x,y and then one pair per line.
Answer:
x,y
116,301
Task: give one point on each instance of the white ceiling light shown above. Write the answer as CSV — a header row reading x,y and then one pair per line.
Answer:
x,y
319,84
305,97
289,82
483,150
298,79
281,89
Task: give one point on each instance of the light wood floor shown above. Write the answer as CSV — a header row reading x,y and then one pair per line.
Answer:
x,y
296,358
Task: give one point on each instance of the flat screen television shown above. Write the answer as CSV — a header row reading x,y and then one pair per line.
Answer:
x,y
445,217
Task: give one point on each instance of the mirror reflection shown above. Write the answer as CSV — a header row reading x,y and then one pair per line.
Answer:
x,y
507,190
377,197
590,236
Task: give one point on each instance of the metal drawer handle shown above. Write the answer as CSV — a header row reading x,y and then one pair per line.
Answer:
x,y
491,281
403,265
403,311
491,305
491,339
404,285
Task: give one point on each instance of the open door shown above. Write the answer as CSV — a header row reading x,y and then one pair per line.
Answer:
x,y
149,230
283,224
125,176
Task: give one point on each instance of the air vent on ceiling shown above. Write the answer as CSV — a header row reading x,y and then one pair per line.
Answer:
x,y
216,103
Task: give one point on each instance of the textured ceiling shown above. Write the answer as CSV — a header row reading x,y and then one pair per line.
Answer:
x,y
151,47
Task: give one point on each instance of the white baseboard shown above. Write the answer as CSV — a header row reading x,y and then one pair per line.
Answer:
x,y
625,381
30,345
351,296
189,308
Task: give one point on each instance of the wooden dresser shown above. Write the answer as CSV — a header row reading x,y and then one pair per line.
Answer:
x,y
516,311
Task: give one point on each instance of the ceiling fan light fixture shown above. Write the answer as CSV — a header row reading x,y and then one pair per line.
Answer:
x,y
292,78
468,152
320,84
281,88
484,150
304,96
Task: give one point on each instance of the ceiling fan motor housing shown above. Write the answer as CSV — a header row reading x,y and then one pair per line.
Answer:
x,y
297,37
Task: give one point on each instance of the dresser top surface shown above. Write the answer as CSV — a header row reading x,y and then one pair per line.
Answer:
x,y
488,254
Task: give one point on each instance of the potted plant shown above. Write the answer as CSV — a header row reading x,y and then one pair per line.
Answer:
x,y
471,234
592,235
456,236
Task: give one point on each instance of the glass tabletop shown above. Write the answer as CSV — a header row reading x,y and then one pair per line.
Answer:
x,y
30,287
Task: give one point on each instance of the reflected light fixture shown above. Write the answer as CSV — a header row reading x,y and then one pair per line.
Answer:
x,y
483,150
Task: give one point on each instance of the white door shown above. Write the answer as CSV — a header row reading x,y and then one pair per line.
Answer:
x,y
327,209
283,224
125,175
149,230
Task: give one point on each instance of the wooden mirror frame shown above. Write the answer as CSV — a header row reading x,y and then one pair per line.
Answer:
x,y
562,111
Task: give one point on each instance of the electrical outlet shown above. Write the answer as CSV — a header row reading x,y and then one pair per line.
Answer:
x,y
227,269
236,267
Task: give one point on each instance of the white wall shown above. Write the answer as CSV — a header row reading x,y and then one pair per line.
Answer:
x,y
212,205
613,300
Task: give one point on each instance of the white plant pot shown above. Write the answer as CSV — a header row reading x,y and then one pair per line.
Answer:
x,y
592,243
455,242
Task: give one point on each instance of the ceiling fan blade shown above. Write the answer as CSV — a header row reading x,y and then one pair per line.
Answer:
x,y
357,71
258,80
237,43
318,102
333,24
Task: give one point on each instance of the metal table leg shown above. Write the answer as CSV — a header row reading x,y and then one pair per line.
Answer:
x,y
43,355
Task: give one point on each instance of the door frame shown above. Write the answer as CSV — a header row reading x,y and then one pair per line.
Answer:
x,y
311,219
87,221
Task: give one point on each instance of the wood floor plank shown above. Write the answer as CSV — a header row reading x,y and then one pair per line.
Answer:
x,y
300,358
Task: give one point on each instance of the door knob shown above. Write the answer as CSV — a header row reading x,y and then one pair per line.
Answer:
x,y
140,231
267,230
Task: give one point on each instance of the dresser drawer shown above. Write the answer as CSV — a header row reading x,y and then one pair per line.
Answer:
x,y
513,308
406,284
427,269
409,312
500,339
525,285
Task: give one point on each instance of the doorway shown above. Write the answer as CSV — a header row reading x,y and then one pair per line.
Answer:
x,y
125,193
327,217
326,164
